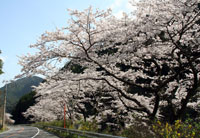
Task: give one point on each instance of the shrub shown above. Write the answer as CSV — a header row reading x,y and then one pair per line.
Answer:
x,y
138,131
187,129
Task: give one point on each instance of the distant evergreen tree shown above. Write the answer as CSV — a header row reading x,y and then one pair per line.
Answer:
x,y
24,103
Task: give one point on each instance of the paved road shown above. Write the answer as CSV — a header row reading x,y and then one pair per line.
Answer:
x,y
25,132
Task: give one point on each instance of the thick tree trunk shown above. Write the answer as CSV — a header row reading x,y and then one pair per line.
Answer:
x,y
156,106
181,112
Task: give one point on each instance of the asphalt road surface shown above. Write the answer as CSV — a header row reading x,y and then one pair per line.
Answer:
x,y
26,132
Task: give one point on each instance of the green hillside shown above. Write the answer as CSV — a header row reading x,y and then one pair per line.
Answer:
x,y
19,88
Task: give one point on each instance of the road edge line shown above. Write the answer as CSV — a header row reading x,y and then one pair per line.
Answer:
x,y
36,133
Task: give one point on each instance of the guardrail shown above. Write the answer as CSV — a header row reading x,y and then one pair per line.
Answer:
x,y
87,134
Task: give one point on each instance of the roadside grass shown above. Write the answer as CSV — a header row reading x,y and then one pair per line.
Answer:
x,y
132,132
3,129
157,129
79,125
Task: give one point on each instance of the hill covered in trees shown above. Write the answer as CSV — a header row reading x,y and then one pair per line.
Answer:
x,y
19,88
23,104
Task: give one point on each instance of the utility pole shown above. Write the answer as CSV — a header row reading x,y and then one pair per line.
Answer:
x,y
1,109
4,107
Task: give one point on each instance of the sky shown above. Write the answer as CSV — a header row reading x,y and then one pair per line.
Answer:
x,y
23,21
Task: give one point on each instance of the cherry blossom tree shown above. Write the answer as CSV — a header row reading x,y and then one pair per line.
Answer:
x,y
8,119
147,62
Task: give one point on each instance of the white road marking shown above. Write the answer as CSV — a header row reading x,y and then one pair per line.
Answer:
x,y
36,133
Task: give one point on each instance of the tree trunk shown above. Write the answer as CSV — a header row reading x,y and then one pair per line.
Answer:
x,y
156,106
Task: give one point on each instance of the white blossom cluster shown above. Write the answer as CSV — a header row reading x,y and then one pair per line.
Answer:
x,y
145,65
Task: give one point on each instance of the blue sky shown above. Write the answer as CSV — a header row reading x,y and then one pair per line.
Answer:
x,y
23,21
